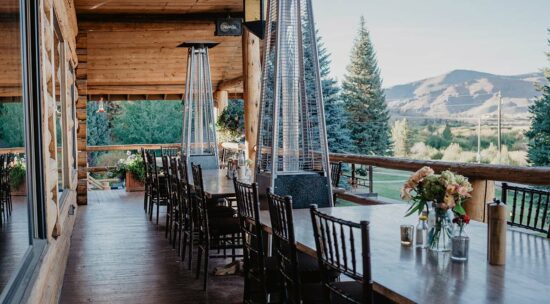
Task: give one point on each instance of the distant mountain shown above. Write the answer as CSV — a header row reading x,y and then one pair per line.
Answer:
x,y
465,94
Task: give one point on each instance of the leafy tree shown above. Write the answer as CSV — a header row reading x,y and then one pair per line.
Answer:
x,y
402,138
231,121
539,133
364,98
148,121
11,125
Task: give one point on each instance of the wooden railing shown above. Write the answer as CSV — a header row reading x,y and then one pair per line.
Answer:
x,y
521,175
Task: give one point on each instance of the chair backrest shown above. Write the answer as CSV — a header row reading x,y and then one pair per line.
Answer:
x,y
530,208
200,205
174,179
284,245
185,191
146,167
248,206
335,173
337,249
150,164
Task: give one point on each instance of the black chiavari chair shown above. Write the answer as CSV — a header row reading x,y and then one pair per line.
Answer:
x,y
188,214
213,232
174,213
294,268
256,289
159,189
148,181
338,250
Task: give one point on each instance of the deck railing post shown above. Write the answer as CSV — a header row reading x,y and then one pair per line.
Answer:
x,y
371,186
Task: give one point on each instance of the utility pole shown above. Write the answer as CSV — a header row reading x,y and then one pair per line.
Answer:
x,y
479,139
499,126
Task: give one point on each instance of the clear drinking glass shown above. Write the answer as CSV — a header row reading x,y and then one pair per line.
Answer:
x,y
407,235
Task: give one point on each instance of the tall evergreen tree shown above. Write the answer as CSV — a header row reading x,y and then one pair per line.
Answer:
x,y
338,135
539,134
364,99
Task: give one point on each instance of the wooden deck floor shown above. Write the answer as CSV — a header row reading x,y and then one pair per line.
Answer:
x,y
118,256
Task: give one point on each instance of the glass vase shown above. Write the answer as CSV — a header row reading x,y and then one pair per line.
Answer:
x,y
441,232
460,244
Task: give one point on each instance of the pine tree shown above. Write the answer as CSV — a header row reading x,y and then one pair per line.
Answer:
x,y
338,135
364,99
539,134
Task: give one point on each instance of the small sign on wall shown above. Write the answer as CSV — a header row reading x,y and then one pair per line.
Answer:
x,y
229,27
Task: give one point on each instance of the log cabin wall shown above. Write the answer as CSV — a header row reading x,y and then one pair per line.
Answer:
x,y
58,60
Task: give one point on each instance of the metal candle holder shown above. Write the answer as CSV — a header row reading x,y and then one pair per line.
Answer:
x,y
292,142
198,132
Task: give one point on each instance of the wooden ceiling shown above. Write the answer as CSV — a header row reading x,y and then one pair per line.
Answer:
x,y
132,44
157,6
143,58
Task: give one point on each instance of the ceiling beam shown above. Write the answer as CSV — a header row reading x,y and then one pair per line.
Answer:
x,y
153,18
226,85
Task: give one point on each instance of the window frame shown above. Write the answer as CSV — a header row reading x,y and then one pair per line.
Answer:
x,y
18,286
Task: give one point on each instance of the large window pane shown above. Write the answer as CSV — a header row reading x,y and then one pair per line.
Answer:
x,y
14,235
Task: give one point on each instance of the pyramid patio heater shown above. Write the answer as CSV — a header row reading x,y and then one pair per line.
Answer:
x,y
198,131
292,142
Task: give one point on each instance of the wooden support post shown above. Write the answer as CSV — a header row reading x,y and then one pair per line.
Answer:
x,y
221,98
252,72
82,87
484,193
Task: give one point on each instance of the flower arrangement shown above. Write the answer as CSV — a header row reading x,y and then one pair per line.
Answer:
x,y
133,164
446,191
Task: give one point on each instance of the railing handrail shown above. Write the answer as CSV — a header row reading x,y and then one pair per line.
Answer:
x,y
522,175
131,147
505,173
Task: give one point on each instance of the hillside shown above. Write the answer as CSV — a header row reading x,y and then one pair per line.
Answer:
x,y
465,94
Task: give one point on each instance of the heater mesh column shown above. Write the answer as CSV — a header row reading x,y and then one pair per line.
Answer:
x,y
292,137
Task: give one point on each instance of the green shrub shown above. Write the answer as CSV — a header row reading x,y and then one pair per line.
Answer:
x,y
17,174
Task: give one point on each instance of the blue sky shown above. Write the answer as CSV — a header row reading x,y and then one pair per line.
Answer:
x,y
416,39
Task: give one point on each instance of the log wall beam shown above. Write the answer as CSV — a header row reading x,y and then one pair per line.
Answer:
x,y
82,86
252,73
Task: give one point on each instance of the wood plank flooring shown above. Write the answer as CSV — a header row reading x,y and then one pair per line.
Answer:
x,y
14,239
118,256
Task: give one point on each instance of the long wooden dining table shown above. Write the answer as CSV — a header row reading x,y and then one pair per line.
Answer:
x,y
414,275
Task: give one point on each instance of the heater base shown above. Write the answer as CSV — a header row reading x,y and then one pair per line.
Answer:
x,y
305,188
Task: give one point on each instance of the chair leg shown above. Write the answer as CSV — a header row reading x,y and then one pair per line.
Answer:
x,y
158,209
191,240
183,246
199,257
206,258
168,221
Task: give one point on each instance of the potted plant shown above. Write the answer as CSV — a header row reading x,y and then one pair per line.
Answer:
x,y
17,175
131,169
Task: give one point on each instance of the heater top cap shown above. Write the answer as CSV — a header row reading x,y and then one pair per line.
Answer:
x,y
198,44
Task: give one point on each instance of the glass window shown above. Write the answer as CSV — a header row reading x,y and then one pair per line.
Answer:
x,y
58,65
14,225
